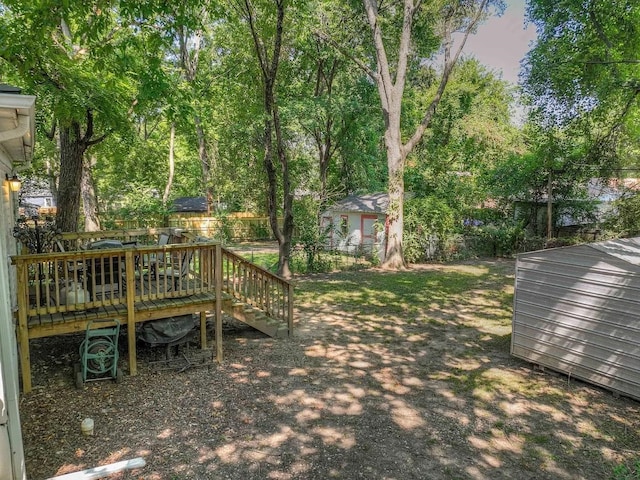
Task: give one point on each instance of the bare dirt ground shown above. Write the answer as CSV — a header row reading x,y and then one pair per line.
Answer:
x,y
359,392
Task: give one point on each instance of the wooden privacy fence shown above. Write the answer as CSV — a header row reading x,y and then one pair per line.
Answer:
x,y
233,227
59,293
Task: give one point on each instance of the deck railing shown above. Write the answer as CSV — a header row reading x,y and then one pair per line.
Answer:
x,y
58,292
51,283
257,287
62,282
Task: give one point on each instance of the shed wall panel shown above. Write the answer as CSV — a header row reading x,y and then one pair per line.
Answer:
x,y
577,311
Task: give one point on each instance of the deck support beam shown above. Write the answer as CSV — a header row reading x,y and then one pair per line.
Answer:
x,y
131,314
218,307
203,329
23,330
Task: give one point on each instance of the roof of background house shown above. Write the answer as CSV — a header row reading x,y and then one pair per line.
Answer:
x,y
612,189
35,187
370,203
189,204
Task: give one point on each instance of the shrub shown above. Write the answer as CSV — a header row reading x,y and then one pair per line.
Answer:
x,y
428,224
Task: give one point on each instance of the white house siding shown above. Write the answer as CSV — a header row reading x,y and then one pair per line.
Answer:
x,y
11,449
355,239
577,311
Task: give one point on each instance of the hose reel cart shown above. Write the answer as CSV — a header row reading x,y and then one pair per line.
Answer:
x,y
99,353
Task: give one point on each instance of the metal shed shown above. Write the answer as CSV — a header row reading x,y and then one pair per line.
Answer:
x,y
577,311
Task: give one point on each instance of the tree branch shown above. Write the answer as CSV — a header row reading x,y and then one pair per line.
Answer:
x,y
99,139
405,40
344,52
448,67
88,133
277,46
383,79
260,48
52,133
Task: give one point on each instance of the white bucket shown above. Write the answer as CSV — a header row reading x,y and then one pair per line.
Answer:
x,y
73,294
87,426
76,294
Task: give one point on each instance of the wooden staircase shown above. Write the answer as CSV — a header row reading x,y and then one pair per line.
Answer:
x,y
257,319
258,298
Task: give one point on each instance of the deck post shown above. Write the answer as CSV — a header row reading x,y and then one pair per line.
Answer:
x,y
206,271
290,310
130,282
23,330
218,306
203,330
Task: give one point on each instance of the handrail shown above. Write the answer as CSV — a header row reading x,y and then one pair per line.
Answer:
x,y
64,282
257,287
51,283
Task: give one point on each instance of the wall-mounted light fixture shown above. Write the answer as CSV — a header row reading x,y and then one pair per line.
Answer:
x,y
14,182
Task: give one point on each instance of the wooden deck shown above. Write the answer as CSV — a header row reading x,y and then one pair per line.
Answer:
x,y
60,293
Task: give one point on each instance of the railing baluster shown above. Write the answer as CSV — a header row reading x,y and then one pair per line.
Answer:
x,y
256,286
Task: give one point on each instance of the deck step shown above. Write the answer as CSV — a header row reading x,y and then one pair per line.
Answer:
x,y
257,319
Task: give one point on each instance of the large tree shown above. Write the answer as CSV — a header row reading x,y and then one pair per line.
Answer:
x,y
268,43
86,62
583,75
398,49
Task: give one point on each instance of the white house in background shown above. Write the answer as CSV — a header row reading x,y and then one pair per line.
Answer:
x,y
358,224
17,115
36,198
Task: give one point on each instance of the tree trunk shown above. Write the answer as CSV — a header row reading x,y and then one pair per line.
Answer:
x,y
284,258
190,45
272,128
394,253
205,162
73,145
390,80
89,198
323,136
167,189
72,150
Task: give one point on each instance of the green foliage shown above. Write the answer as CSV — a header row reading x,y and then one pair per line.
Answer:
x,y
627,472
139,206
524,178
500,240
470,134
625,217
582,74
429,223
260,231
308,236
142,88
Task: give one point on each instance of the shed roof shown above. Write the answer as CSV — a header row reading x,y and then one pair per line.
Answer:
x,y
189,204
623,250
371,203
626,249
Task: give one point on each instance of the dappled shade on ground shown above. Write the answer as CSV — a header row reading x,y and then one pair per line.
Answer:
x,y
390,375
